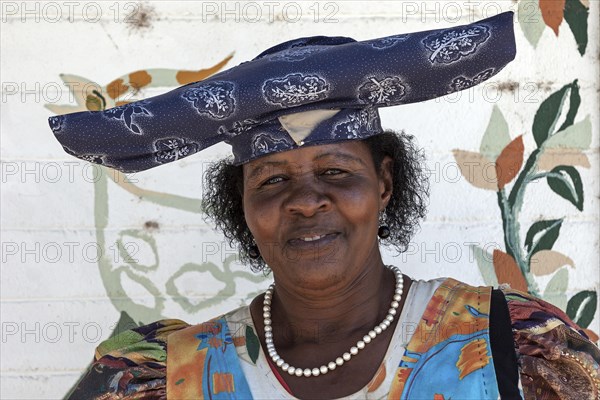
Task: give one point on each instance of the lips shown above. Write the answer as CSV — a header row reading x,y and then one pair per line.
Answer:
x,y
313,239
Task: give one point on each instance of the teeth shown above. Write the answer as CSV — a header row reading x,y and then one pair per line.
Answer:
x,y
313,238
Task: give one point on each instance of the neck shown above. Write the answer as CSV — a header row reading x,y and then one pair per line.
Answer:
x,y
355,304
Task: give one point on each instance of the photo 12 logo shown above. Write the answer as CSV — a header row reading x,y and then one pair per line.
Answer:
x,y
269,11
71,11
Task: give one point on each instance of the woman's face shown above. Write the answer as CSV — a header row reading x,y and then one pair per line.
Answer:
x,y
314,212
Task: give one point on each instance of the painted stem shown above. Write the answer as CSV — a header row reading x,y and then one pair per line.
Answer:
x,y
511,208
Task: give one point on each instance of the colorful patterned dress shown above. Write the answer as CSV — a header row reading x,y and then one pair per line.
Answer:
x,y
440,350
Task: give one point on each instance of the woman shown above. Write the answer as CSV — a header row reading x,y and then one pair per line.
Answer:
x,y
314,186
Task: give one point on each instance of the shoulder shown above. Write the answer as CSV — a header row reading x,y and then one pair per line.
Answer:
x,y
555,355
130,362
134,362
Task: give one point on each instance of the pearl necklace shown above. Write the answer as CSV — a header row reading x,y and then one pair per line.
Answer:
x,y
307,372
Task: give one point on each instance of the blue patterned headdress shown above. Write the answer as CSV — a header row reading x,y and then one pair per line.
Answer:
x,y
302,92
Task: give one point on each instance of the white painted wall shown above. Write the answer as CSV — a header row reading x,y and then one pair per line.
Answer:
x,y
55,307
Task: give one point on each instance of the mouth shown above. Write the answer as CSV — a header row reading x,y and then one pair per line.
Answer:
x,y
312,240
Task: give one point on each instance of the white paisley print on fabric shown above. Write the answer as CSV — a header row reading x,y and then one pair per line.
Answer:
x,y
386,42
294,54
57,123
263,143
450,45
295,89
238,127
214,99
386,91
357,123
462,82
127,112
172,149
93,158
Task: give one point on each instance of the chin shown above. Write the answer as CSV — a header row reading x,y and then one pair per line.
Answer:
x,y
314,271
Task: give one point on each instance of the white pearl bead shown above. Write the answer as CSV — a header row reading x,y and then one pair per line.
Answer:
x,y
361,344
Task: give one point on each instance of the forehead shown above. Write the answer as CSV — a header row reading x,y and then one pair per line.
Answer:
x,y
349,151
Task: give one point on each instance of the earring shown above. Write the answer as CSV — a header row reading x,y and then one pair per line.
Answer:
x,y
384,231
253,251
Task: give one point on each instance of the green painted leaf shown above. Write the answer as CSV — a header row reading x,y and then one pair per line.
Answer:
x,y
93,103
125,323
576,15
574,102
556,289
582,307
547,115
566,182
542,235
485,262
530,20
496,136
80,88
576,136
252,344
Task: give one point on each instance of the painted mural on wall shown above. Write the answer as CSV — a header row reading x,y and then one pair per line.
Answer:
x,y
537,15
559,154
560,145
129,266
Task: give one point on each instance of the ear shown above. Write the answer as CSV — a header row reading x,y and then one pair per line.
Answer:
x,y
386,181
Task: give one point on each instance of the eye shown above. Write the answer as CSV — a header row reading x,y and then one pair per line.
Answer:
x,y
273,180
333,171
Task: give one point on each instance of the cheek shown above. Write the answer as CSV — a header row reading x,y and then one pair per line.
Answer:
x,y
261,219
360,205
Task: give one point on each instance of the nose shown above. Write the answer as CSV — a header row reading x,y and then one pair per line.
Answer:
x,y
307,198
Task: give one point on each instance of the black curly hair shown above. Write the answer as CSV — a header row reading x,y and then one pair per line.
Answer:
x,y
223,188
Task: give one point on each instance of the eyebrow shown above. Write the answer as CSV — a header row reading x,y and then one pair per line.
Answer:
x,y
258,170
337,154
342,156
